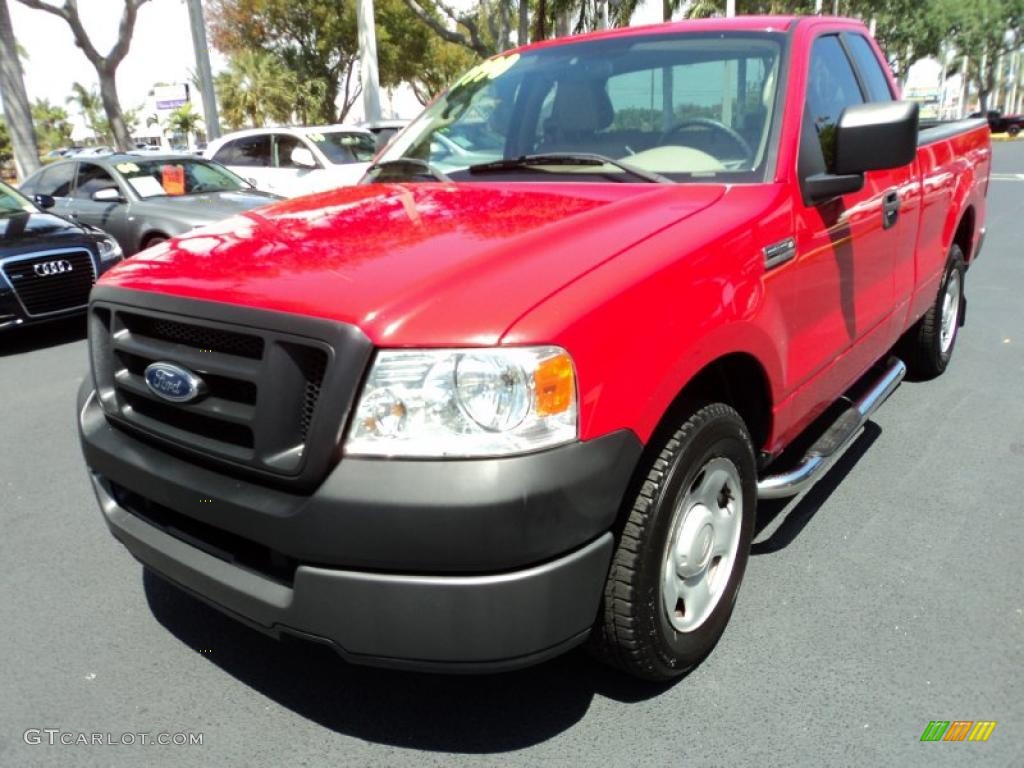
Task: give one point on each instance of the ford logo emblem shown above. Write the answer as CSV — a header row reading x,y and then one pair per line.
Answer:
x,y
174,383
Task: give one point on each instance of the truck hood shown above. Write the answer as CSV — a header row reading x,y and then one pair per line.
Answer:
x,y
418,264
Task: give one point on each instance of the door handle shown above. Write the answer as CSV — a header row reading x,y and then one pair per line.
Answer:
x,y
890,209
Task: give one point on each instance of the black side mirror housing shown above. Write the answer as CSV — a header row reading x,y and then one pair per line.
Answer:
x,y
44,201
867,137
874,137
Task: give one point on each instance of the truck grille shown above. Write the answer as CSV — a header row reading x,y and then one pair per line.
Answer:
x,y
55,281
262,408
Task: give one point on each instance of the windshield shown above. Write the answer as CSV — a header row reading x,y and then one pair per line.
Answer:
x,y
13,202
153,178
688,107
341,147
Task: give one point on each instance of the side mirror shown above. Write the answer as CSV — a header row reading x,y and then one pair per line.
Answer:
x,y
303,158
108,195
868,137
875,137
44,201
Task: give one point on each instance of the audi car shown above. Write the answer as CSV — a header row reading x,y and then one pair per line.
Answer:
x,y
47,264
144,200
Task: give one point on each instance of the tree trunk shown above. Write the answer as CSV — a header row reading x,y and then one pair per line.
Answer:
x,y
112,106
540,28
524,23
16,107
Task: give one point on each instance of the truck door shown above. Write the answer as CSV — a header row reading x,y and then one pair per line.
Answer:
x,y
109,215
856,237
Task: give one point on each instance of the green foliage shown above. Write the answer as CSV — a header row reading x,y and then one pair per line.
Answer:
x,y
6,150
184,120
256,88
53,130
89,105
315,42
985,30
906,30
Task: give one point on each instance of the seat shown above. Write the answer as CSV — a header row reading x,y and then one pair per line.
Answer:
x,y
580,110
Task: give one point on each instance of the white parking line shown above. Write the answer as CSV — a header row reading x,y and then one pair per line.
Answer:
x,y
1008,177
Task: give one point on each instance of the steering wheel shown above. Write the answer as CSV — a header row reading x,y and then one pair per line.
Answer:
x,y
707,122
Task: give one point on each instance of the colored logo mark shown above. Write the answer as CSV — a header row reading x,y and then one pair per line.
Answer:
x,y
958,730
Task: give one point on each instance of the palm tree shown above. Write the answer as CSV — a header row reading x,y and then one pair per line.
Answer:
x,y
89,105
52,126
15,99
184,120
256,87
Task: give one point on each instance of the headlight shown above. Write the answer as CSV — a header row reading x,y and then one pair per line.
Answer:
x,y
465,402
109,250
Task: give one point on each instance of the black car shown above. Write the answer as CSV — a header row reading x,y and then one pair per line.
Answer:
x,y
1000,123
47,264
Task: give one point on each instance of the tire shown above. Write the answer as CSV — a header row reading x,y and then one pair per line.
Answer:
x,y
153,240
928,345
1013,130
635,631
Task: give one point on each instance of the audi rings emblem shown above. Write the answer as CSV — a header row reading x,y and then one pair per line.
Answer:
x,y
48,268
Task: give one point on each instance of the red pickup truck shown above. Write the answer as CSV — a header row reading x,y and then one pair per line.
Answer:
x,y
524,387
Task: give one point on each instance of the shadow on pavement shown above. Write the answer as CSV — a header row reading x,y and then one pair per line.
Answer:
x,y
15,341
800,513
473,714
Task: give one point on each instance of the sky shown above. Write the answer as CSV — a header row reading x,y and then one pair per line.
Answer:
x,y
161,50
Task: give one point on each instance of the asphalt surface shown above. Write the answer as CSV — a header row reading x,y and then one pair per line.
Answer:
x,y
888,597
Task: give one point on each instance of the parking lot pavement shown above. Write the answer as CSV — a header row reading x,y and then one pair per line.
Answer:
x,y
888,597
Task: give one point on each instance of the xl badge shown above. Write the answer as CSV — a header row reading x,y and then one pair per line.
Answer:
x,y
174,383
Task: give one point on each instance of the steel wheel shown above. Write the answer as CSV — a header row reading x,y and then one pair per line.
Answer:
x,y
950,312
701,550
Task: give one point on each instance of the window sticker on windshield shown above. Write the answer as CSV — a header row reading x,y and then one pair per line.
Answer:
x,y
146,186
127,167
172,178
488,70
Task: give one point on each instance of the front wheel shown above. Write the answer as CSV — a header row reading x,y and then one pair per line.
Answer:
x,y
680,558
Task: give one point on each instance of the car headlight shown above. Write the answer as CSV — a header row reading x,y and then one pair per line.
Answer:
x,y
465,402
109,250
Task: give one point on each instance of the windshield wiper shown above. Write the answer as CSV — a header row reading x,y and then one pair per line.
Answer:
x,y
567,158
422,165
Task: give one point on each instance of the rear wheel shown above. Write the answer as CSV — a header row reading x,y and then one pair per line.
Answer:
x,y
928,346
1013,130
681,556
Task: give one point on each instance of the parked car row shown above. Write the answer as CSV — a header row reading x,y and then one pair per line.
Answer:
x,y
142,200
93,206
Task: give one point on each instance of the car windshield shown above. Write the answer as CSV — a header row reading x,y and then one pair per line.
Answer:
x,y
341,147
153,178
13,202
688,107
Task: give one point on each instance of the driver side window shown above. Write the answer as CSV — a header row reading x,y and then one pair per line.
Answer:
x,y
91,179
831,88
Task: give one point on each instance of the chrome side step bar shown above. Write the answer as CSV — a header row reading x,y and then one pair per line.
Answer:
x,y
833,444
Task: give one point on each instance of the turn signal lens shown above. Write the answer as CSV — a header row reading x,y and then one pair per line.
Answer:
x,y
554,385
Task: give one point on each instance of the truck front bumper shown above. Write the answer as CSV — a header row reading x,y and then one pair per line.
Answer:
x,y
454,565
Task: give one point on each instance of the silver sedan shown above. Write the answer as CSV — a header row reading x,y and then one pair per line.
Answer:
x,y
142,200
